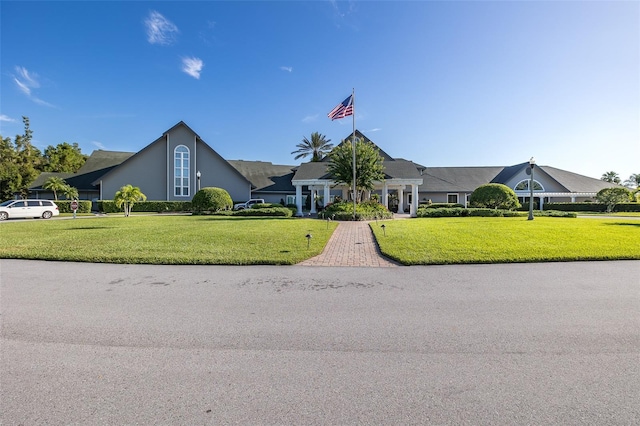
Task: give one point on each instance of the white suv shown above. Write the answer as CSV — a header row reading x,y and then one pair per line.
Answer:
x,y
28,208
248,204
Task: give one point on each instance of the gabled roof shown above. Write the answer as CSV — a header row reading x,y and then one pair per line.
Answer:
x,y
161,138
394,168
575,182
457,179
266,176
99,160
361,136
97,165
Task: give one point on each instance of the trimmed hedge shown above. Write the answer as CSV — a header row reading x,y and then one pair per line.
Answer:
x,y
480,212
270,211
592,207
109,206
64,206
367,210
441,206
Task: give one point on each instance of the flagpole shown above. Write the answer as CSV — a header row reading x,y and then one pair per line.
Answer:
x,y
353,144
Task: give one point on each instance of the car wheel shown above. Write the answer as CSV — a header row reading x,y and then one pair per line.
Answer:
x,y
4,216
47,215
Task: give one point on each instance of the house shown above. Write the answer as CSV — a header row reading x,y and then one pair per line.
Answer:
x,y
400,175
175,165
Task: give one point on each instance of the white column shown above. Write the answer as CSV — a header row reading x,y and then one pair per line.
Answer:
x,y
313,199
541,203
327,194
401,199
414,201
385,195
345,194
299,199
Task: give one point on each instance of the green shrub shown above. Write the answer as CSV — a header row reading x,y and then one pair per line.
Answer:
x,y
462,212
265,205
442,205
576,207
592,207
109,206
64,206
367,210
270,211
211,199
494,196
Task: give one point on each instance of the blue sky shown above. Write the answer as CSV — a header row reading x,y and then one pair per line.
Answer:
x,y
456,83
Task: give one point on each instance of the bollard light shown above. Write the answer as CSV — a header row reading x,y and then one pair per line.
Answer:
x,y
384,229
308,237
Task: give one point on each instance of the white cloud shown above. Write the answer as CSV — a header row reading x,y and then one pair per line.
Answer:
x,y
23,87
26,82
192,66
98,145
375,130
6,118
288,69
160,30
310,118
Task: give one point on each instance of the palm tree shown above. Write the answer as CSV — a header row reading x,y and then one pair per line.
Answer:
x,y
633,182
611,177
69,192
128,195
317,147
54,184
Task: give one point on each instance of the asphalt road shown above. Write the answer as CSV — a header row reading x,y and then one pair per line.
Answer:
x,y
555,343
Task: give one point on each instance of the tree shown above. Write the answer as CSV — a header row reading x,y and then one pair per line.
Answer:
x,y
69,192
613,196
317,147
127,196
29,159
633,182
494,196
63,158
611,177
369,167
211,199
10,178
54,184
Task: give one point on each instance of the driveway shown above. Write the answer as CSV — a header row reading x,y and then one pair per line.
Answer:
x,y
555,343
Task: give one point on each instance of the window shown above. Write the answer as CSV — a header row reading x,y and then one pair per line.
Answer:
x,y
452,198
181,171
523,185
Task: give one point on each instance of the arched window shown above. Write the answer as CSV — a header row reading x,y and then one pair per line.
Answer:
x,y
523,185
181,171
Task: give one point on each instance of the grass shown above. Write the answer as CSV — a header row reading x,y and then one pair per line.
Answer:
x,y
504,240
166,240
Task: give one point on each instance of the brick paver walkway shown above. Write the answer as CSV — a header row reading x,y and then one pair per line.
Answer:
x,y
351,244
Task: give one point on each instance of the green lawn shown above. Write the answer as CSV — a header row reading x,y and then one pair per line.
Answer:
x,y
503,240
166,240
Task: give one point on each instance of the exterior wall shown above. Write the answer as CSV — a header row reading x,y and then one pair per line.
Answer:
x,y
217,172
177,136
540,176
147,170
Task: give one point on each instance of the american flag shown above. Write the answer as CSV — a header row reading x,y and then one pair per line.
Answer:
x,y
343,109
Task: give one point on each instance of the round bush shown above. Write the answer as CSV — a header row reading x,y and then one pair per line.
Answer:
x,y
211,199
494,196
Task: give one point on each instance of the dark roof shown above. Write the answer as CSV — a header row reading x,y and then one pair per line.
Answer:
x,y
362,136
575,182
265,176
42,178
97,165
457,179
99,160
